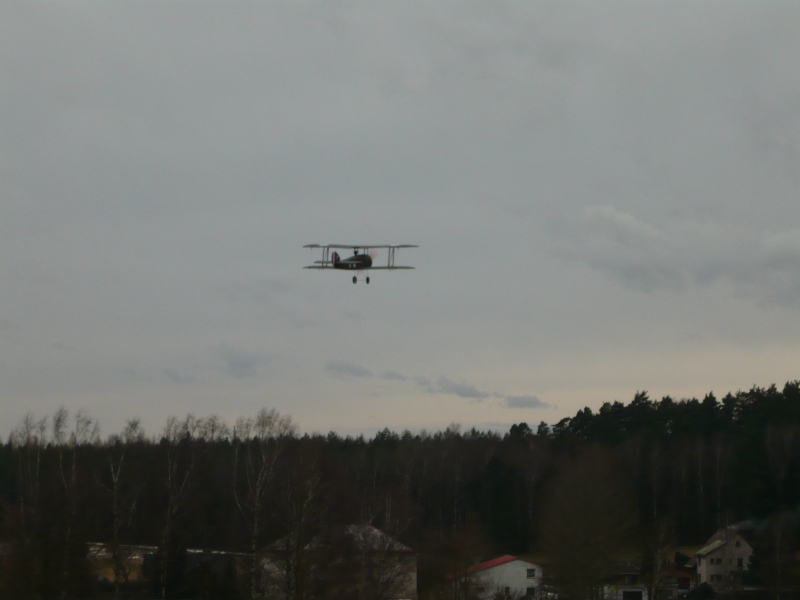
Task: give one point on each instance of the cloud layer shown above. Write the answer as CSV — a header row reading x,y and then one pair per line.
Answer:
x,y
347,369
762,265
604,196
525,402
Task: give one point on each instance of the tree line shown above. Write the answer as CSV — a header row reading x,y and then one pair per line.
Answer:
x,y
629,479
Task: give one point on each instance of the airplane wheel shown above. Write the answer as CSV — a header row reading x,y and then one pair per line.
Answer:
x,y
354,279
367,280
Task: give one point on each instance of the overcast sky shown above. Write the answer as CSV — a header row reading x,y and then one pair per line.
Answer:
x,y
606,198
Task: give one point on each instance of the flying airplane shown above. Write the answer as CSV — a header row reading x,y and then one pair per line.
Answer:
x,y
357,262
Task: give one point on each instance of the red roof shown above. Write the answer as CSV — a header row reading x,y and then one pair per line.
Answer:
x,y
491,563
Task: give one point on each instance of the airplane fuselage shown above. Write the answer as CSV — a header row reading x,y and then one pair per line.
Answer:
x,y
352,263
361,260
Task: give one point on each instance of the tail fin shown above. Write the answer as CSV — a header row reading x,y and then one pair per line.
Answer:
x,y
335,258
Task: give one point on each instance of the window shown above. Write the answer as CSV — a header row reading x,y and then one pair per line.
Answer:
x,y
738,543
530,592
531,573
740,563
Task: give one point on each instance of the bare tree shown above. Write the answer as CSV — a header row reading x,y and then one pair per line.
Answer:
x,y
659,538
122,508
780,441
86,431
257,444
178,439
781,542
722,452
700,455
587,522
301,512
29,439
461,551
387,564
360,562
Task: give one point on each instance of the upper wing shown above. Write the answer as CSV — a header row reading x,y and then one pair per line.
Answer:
x,y
328,264
359,246
352,246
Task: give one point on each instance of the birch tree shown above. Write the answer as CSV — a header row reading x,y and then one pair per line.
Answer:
x,y
258,442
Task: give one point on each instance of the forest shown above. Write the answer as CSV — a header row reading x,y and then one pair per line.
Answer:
x,y
628,480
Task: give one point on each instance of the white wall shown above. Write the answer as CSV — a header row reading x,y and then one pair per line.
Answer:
x,y
512,575
730,555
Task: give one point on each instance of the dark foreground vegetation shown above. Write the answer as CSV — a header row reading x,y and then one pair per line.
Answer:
x,y
629,480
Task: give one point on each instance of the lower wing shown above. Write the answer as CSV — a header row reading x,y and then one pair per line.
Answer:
x,y
358,269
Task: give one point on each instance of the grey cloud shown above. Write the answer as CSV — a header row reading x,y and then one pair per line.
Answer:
x,y
347,369
626,248
259,292
137,376
443,385
680,254
525,402
190,152
177,377
393,376
240,364
463,390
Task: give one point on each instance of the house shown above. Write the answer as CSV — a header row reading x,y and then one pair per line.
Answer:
x,y
506,576
672,578
137,568
123,564
723,560
623,582
341,562
673,583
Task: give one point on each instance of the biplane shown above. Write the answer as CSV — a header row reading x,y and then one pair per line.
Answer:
x,y
360,261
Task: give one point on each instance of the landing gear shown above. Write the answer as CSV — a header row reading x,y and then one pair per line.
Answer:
x,y
355,279
367,280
